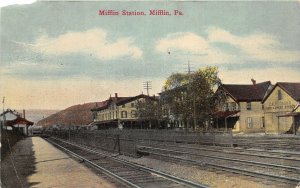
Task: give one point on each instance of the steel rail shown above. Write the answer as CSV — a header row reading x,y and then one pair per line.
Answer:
x,y
226,158
165,175
248,154
267,151
95,165
233,169
237,153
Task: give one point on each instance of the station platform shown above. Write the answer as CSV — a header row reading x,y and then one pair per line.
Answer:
x,y
33,162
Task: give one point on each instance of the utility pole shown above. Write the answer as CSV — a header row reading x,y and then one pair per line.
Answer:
x,y
189,71
147,85
189,67
3,103
4,118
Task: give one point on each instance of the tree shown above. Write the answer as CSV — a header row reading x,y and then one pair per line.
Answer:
x,y
191,97
150,110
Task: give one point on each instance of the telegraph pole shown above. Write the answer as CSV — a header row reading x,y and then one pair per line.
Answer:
x,y
189,71
4,119
147,85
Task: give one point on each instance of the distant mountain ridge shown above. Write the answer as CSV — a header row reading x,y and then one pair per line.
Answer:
x,y
36,115
80,114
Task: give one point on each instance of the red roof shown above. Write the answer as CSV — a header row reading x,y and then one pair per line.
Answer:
x,y
19,120
105,104
119,101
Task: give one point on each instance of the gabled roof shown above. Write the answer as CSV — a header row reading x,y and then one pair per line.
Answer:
x,y
100,105
291,88
247,93
10,111
129,99
120,101
19,120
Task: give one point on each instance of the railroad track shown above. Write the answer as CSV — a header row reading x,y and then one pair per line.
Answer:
x,y
280,157
126,173
285,143
281,173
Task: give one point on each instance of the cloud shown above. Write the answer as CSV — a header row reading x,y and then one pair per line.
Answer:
x,y
91,42
258,46
18,2
196,47
274,74
183,41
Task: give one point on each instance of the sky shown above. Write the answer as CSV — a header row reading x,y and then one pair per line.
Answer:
x,y
58,54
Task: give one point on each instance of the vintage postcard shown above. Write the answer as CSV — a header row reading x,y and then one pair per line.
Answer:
x,y
150,94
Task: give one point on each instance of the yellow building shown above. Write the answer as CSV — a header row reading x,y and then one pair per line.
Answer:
x,y
118,112
281,108
243,110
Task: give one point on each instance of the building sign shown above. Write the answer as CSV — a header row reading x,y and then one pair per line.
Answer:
x,y
280,106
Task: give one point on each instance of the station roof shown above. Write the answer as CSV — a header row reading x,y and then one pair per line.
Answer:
x,y
19,120
120,101
291,88
225,114
247,93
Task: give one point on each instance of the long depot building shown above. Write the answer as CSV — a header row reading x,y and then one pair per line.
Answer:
x,y
118,112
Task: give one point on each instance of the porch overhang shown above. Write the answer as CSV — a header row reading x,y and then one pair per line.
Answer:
x,y
290,114
18,120
226,114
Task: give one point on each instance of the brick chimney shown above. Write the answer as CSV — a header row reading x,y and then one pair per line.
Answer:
x,y
253,81
24,113
116,95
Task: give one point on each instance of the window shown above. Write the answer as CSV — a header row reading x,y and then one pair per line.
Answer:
x,y
279,95
123,114
132,105
133,113
262,122
123,106
232,106
248,105
226,107
249,122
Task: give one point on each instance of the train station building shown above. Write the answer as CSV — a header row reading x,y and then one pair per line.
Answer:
x,y
260,107
243,109
10,120
281,108
118,112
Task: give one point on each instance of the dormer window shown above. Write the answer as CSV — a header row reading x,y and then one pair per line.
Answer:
x,y
279,95
226,107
